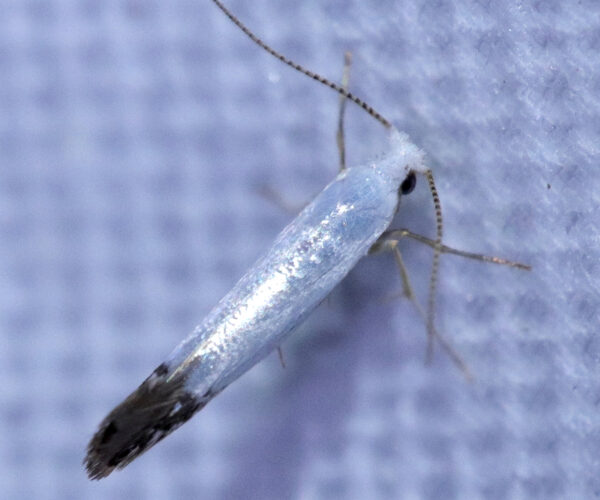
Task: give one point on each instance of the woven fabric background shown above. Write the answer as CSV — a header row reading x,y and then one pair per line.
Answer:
x,y
136,138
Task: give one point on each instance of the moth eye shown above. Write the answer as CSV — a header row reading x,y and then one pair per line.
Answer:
x,y
409,183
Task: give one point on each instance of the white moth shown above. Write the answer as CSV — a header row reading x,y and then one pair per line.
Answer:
x,y
347,220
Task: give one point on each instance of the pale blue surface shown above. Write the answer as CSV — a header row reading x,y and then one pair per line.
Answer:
x,y
135,138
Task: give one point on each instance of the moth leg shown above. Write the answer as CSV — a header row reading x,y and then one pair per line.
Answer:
x,y
398,234
340,130
390,244
281,358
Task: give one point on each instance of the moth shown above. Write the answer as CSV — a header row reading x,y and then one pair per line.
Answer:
x,y
347,220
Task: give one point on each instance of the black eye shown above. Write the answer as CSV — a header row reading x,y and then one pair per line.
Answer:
x,y
409,183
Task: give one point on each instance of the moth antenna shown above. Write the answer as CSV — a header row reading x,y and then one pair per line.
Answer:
x,y
315,76
437,251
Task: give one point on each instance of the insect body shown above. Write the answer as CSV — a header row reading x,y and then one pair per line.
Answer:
x,y
306,261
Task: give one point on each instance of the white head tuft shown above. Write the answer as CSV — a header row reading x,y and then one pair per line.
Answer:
x,y
405,153
402,158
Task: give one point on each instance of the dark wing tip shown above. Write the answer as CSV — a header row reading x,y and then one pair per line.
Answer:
x,y
155,409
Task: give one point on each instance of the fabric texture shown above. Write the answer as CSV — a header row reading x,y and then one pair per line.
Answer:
x,y
137,140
